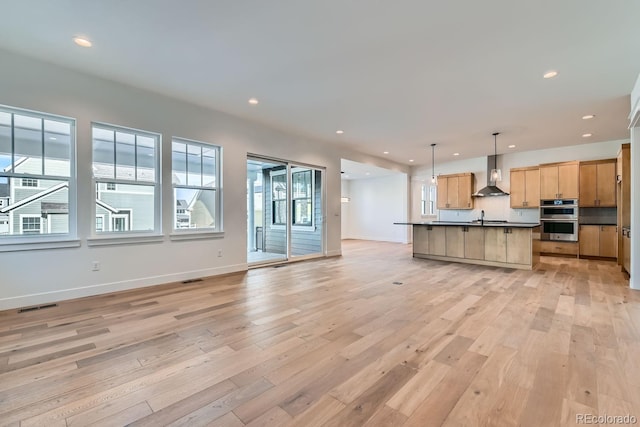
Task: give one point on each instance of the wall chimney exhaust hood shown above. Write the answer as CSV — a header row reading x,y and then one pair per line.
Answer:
x,y
493,174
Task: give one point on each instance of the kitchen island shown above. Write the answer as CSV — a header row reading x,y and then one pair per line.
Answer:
x,y
494,243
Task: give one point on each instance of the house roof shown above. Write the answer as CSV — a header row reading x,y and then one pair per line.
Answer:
x,y
34,197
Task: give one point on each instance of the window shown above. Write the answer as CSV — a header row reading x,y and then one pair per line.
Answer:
x,y
126,163
31,224
279,197
100,223
37,174
196,181
29,182
302,185
428,199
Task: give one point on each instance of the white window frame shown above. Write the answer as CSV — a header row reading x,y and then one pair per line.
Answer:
x,y
25,216
428,199
303,227
111,236
19,242
216,229
279,226
101,216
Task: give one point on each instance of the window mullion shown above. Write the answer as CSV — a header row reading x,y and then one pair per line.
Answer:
x,y
13,143
42,143
115,156
135,157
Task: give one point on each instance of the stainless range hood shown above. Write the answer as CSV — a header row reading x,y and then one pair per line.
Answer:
x,y
491,190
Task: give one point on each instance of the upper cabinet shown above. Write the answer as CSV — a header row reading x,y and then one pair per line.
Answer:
x,y
525,188
559,181
454,191
598,183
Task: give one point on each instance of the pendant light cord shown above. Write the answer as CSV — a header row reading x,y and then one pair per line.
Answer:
x,y
495,150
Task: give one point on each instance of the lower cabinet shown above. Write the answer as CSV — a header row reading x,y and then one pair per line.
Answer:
x,y
474,243
496,246
455,241
510,245
598,240
626,251
428,240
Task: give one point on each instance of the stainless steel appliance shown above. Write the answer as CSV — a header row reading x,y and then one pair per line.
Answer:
x,y
559,220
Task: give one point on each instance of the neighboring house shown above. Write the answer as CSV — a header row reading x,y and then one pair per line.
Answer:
x,y
33,205
37,206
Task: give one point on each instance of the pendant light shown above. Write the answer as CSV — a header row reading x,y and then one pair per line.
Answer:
x,y
496,174
434,179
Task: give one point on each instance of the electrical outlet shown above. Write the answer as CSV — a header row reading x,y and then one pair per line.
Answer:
x,y
219,252
95,266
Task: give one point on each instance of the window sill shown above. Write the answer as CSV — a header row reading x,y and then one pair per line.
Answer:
x,y
38,244
179,236
124,240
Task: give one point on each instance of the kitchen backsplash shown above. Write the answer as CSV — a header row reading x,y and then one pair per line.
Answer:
x,y
494,208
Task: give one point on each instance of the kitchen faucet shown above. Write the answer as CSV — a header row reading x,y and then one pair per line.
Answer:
x,y
482,217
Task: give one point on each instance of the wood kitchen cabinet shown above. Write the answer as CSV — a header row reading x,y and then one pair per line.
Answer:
x,y
455,241
454,191
474,243
598,240
598,183
510,245
559,181
626,250
499,246
525,188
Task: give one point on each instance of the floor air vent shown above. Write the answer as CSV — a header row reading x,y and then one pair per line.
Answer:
x,y
37,307
192,280
397,283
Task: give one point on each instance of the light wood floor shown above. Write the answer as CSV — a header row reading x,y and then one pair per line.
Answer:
x,y
334,342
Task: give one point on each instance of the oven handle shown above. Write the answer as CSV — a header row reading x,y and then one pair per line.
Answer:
x,y
559,220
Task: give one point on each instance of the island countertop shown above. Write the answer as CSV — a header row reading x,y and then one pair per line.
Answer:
x,y
487,223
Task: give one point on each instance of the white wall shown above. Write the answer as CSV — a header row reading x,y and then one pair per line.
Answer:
x,y
498,207
376,203
39,276
344,217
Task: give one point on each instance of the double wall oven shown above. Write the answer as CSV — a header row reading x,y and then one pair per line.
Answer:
x,y
559,220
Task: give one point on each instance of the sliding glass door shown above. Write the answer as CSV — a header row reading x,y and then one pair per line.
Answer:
x,y
285,206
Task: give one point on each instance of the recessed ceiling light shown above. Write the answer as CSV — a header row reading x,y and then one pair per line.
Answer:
x,y
550,74
253,101
53,138
512,146
367,173
411,160
385,152
456,154
586,135
82,41
588,116
339,132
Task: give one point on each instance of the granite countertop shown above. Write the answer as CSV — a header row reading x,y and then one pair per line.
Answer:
x,y
487,223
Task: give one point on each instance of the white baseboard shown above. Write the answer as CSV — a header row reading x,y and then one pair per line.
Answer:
x,y
104,288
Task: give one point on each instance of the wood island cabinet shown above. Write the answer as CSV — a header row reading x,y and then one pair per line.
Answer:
x,y
500,246
559,181
598,183
454,191
474,243
598,240
525,188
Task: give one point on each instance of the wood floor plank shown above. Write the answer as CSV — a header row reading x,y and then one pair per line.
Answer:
x,y
334,341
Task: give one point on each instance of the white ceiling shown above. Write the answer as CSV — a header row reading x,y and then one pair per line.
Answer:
x,y
354,170
394,75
